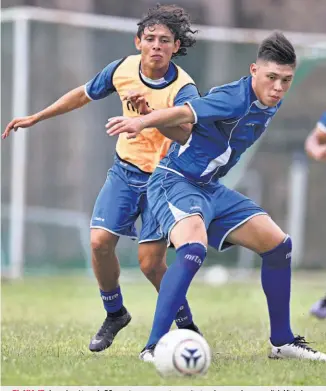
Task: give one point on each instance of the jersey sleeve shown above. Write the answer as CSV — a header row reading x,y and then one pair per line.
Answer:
x,y
217,105
186,93
102,85
321,124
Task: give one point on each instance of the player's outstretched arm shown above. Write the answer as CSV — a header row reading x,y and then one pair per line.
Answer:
x,y
315,145
161,119
179,133
74,99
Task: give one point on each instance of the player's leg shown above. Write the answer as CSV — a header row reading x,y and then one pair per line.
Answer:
x,y
180,208
152,259
107,224
244,223
105,263
152,245
263,236
319,308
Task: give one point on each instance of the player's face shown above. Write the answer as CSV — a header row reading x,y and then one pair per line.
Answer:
x,y
157,44
271,81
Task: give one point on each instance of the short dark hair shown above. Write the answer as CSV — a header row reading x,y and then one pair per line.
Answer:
x,y
176,19
277,48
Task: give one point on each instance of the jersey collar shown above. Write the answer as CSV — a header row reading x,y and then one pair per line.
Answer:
x,y
168,78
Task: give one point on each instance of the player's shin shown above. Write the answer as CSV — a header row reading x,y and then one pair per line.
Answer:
x,y
276,282
174,286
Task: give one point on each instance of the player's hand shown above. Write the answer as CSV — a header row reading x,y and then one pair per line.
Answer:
x,y
117,125
138,101
317,152
20,122
320,154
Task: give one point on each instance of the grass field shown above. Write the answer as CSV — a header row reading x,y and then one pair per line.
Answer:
x,y
47,324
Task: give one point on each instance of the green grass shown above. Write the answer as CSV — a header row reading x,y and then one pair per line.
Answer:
x,y
47,324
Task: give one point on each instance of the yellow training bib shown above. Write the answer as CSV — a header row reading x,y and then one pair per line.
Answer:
x,y
150,146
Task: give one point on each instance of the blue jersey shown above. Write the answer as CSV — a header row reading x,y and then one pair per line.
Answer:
x,y
228,120
321,124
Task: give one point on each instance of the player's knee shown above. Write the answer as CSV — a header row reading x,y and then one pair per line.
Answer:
x,y
102,241
280,256
190,229
151,265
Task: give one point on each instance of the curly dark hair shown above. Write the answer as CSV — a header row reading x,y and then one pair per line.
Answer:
x,y
176,19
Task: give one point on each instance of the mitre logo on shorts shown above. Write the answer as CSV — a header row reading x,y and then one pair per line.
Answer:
x,y
288,255
193,205
98,219
194,258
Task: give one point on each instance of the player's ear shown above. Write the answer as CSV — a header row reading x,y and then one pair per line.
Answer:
x,y
253,69
177,44
137,43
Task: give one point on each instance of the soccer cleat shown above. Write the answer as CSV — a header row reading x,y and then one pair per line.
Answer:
x,y
147,354
109,329
297,349
319,309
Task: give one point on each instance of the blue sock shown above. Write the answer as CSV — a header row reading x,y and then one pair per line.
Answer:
x,y
174,286
184,315
276,282
112,300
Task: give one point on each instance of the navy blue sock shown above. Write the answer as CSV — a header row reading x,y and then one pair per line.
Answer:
x,y
112,300
174,286
184,315
276,282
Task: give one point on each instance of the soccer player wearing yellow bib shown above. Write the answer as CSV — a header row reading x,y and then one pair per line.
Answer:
x,y
148,81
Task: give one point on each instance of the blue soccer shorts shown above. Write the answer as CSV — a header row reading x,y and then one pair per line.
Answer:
x,y
172,198
122,199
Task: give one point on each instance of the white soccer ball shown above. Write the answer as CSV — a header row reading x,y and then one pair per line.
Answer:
x,y
182,352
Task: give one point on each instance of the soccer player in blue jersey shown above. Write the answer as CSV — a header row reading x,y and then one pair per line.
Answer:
x,y
163,33
315,146
196,210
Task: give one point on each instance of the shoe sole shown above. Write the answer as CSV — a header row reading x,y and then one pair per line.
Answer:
x,y
114,335
150,361
272,357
